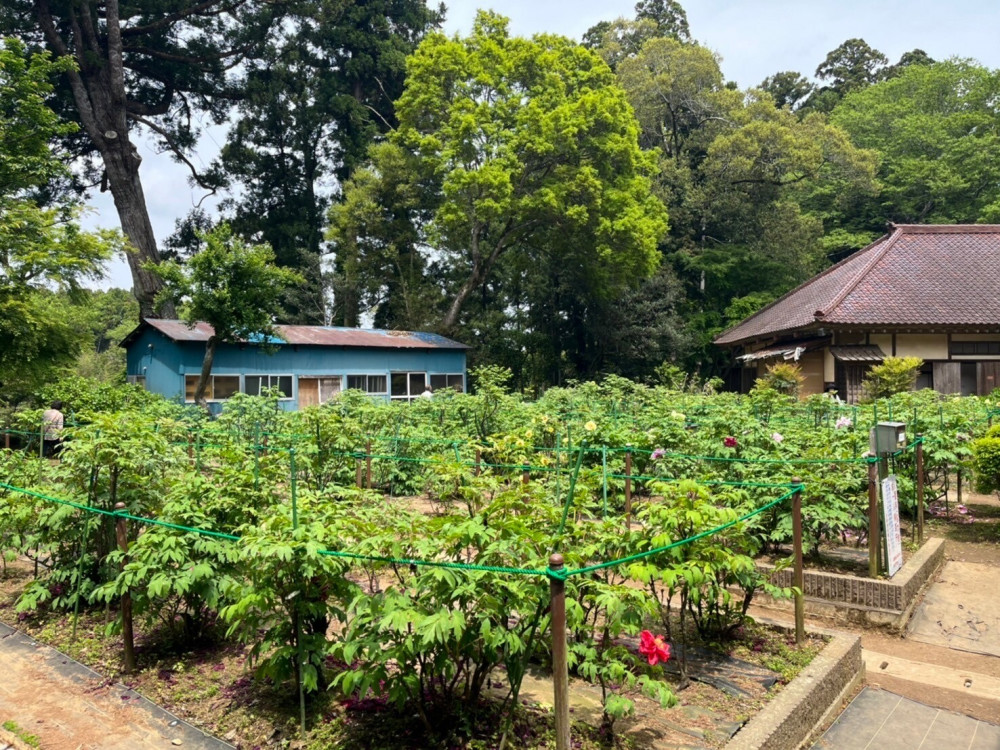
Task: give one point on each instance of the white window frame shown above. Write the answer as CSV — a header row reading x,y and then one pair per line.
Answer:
x,y
366,375
212,377
409,396
287,397
446,375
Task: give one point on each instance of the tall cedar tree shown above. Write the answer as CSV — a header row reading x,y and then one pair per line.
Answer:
x,y
155,65
320,92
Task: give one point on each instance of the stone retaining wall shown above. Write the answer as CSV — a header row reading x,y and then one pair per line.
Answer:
x,y
884,602
791,717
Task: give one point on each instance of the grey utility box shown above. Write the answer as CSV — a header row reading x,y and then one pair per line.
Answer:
x,y
886,438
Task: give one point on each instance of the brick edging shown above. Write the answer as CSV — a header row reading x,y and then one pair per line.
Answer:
x,y
875,602
790,718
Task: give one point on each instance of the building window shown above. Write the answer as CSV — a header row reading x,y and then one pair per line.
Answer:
x,y
218,388
254,384
974,348
375,384
139,380
407,386
440,382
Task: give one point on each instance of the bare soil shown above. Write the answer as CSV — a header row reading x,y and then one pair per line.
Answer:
x,y
212,688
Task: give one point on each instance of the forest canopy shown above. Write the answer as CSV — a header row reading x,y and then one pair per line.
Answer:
x,y
568,208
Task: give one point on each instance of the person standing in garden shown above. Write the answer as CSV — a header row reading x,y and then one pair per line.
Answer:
x,y
52,427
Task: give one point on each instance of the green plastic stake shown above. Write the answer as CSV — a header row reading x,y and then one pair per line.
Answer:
x,y
569,497
558,472
604,476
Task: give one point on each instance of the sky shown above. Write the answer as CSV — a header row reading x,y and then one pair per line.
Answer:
x,y
754,38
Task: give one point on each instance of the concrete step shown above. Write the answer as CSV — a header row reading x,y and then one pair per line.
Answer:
x,y
961,680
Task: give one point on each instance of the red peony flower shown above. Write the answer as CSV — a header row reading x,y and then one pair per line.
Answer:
x,y
729,442
654,647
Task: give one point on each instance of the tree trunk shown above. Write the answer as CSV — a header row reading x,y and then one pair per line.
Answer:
x,y
122,167
206,373
98,87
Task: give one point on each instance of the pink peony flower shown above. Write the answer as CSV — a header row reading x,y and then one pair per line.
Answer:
x,y
658,454
729,442
654,647
843,423
777,437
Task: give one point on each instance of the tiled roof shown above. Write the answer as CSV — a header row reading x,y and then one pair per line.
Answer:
x,y
857,353
915,276
311,336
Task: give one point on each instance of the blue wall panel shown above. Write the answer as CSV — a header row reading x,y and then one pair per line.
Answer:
x,y
164,362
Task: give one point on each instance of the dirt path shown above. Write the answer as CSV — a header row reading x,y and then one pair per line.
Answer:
x,y
69,707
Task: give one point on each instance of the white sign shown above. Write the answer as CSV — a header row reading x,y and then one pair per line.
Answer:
x,y
890,514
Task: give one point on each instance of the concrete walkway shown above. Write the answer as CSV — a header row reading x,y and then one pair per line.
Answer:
x,y
70,707
960,610
884,720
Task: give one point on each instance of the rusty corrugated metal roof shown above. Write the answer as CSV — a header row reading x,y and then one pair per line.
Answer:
x,y
312,336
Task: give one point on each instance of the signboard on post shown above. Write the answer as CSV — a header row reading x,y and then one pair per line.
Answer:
x,y
890,513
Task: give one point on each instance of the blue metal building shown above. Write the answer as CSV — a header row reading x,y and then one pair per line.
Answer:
x,y
310,364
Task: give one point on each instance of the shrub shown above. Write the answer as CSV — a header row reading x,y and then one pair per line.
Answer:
x,y
986,461
783,377
894,375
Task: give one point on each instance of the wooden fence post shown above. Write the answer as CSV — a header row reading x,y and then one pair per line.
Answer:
x,y
479,460
560,669
958,474
920,489
798,579
368,464
873,526
126,600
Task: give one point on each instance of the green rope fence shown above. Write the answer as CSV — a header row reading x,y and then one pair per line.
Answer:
x,y
562,575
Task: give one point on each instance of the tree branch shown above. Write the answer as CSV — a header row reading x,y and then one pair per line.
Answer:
x,y
236,52
178,152
145,110
80,95
194,10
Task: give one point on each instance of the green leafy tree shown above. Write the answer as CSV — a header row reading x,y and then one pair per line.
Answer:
x,y
623,38
232,286
44,256
935,128
748,184
524,150
319,93
111,315
789,88
852,66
